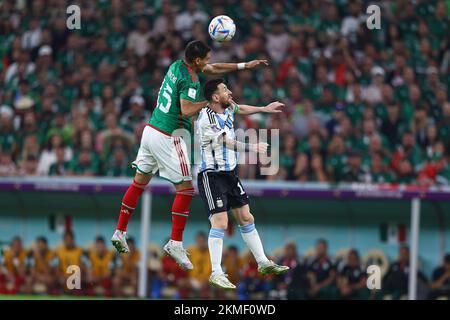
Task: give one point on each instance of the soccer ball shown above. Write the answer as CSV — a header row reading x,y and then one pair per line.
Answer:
x,y
222,28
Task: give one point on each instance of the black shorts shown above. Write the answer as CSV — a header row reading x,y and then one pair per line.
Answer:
x,y
221,191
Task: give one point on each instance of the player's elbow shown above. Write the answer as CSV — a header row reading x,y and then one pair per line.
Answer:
x,y
187,112
215,71
212,70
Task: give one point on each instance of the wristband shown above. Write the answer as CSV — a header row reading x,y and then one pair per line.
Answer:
x,y
241,66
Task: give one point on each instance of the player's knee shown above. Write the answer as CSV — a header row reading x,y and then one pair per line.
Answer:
x,y
247,219
222,224
219,222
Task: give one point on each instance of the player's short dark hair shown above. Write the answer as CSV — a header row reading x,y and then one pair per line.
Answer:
x,y
322,241
196,49
210,87
100,239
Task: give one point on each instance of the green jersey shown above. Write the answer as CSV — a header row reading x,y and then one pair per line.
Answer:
x,y
180,82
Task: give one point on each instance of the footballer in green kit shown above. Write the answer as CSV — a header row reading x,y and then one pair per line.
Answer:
x,y
179,99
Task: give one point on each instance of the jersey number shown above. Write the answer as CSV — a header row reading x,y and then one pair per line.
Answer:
x,y
166,94
240,187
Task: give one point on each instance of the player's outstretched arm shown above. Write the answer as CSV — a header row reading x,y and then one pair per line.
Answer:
x,y
189,108
220,68
273,107
237,146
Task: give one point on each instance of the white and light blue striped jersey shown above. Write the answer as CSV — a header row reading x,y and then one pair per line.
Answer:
x,y
211,125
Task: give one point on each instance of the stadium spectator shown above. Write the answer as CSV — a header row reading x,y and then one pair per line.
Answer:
x,y
99,270
60,167
337,158
85,163
48,156
185,20
199,255
294,284
440,286
321,273
393,127
28,166
69,254
351,279
42,267
7,165
395,281
8,141
353,172
252,285
138,39
278,40
14,261
118,164
379,170
135,115
125,276
33,36
174,281
288,156
233,264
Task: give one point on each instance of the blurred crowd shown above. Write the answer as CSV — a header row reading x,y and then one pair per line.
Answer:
x,y
365,105
40,269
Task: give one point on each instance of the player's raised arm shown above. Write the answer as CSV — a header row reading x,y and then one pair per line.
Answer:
x,y
189,108
273,107
220,68
238,146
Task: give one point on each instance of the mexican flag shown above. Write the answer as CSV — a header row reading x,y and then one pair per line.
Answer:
x,y
393,233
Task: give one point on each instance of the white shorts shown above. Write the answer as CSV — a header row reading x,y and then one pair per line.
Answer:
x,y
168,154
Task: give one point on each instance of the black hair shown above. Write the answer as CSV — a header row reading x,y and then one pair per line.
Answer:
x,y
355,252
69,233
100,239
210,87
41,239
201,234
447,258
322,241
196,49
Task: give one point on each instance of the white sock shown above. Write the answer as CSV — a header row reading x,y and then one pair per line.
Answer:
x,y
176,243
251,238
215,245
